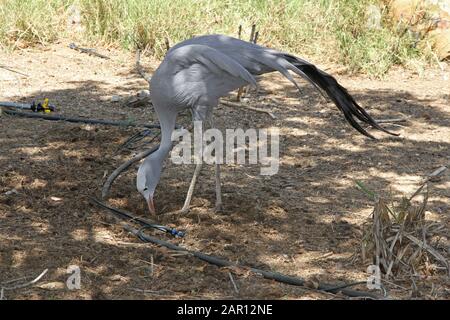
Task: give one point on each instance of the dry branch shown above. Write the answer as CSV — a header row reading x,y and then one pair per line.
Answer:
x,y
3,286
238,105
88,51
163,292
394,120
233,283
430,249
15,71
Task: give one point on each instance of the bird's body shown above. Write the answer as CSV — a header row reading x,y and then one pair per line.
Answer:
x,y
197,72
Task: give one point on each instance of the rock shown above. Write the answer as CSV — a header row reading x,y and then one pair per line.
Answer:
x,y
440,40
116,98
428,19
405,10
10,192
143,93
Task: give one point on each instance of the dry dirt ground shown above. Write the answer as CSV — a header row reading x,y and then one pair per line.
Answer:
x,y
304,221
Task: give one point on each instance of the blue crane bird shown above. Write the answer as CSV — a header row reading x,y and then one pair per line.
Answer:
x,y
197,72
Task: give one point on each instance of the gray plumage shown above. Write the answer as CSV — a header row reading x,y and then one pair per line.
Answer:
x,y
197,72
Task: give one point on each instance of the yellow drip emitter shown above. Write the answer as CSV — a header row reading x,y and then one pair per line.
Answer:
x,y
45,106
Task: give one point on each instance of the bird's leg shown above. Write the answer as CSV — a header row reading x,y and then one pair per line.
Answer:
x,y
198,168
218,206
187,202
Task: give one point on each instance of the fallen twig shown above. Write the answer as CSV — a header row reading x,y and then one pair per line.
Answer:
x,y
233,283
430,249
88,51
431,176
436,172
123,167
15,71
152,266
326,255
238,105
4,288
163,292
394,120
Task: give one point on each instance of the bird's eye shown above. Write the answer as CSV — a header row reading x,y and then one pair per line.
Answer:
x,y
146,188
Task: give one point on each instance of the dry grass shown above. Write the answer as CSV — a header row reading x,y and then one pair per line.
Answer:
x,y
402,242
335,31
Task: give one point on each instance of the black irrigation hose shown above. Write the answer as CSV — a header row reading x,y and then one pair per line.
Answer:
x,y
225,263
78,119
266,274
143,222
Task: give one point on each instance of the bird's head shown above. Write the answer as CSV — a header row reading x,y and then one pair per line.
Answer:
x,y
148,178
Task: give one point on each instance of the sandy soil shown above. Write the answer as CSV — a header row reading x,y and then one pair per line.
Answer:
x,y
305,221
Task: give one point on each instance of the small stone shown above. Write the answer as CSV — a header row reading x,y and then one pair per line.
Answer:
x,y
143,93
10,192
116,98
117,277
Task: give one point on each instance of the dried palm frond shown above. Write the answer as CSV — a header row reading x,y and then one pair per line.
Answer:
x,y
398,238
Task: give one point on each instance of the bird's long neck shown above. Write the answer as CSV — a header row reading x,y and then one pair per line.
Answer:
x,y
167,120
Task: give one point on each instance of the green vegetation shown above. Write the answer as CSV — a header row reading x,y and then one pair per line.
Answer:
x,y
323,30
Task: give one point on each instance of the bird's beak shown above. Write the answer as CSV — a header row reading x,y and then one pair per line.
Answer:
x,y
151,205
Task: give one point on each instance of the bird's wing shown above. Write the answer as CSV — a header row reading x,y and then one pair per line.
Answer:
x,y
247,54
254,58
259,60
200,74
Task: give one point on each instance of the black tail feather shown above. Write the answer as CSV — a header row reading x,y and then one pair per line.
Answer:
x,y
339,95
